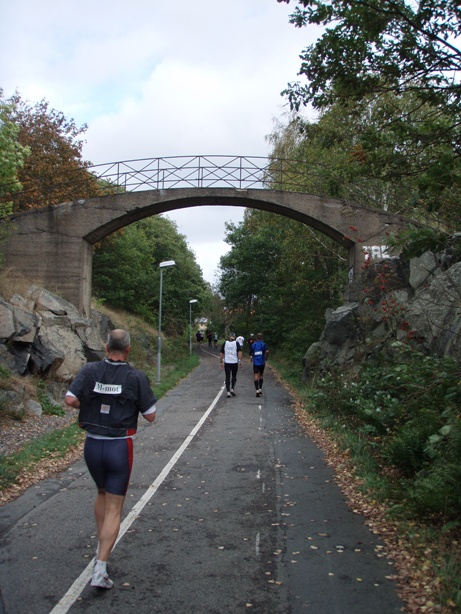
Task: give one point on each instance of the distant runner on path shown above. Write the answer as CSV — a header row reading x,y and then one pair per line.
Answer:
x,y
259,354
231,357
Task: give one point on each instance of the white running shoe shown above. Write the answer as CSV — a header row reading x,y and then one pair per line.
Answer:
x,y
228,395
101,580
232,392
96,556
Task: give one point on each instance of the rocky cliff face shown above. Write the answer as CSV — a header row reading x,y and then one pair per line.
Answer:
x,y
42,334
417,304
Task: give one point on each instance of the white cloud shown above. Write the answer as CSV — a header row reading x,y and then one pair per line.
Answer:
x,y
155,79
204,228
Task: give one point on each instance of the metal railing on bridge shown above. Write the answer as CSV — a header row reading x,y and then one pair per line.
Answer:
x,y
163,174
202,172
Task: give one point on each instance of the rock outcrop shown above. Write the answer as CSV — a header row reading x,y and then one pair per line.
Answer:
x,y
417,303
43,335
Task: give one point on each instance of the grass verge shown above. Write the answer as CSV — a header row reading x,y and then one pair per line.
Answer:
x,y
51,446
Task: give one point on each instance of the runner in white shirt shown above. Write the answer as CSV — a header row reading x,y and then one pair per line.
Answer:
x,y
231,357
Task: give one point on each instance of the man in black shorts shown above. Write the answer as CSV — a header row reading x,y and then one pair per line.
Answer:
x,y
110,395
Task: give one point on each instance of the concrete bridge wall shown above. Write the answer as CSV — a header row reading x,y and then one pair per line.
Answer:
x,y
54,245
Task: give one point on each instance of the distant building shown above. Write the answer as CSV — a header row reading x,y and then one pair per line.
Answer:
x,y
202,324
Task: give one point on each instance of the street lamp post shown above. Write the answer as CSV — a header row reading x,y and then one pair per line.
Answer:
x,y
162,265
193,300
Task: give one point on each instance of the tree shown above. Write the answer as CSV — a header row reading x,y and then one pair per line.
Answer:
x,y
12,153
54,172
126,273
394,64
279,277
360,151
390,69
246,269
12,159
377,46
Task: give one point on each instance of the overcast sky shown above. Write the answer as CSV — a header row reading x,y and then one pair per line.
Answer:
x,y
156,78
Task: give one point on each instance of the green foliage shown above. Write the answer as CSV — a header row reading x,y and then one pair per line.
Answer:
x,y
12,153
370,152
406,412
437,491
126,273
379,46
56,444
12,159
449,568
329,154
383,75
219,315
172,373
48,408
407,448
4,373
412,242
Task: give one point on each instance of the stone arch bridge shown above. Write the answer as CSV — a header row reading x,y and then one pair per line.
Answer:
x,y
54,245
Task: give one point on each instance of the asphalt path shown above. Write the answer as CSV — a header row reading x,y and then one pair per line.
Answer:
x,y
230,509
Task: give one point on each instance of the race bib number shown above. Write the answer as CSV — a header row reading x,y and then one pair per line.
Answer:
x,y
107,388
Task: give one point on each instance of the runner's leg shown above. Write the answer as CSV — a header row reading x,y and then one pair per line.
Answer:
x,y
111,525
235,368
227,371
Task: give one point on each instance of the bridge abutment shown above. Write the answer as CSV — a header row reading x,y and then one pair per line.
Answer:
x,y
44,250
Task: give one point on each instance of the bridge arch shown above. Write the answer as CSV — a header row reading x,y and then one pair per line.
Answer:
x,y
54,245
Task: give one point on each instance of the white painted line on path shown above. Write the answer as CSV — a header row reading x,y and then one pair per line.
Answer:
x,y
77,587
210,353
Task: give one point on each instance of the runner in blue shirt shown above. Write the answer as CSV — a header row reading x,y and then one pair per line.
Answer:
x,y
259,354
